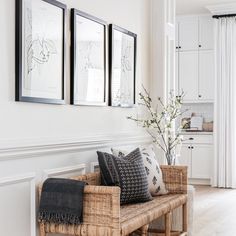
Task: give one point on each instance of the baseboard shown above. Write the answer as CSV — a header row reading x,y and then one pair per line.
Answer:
x,y
199,181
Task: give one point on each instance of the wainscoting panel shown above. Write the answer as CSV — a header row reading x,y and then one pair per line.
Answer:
x,y
26,164
17,204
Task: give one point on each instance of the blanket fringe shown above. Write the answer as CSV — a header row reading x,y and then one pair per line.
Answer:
x,y
48,217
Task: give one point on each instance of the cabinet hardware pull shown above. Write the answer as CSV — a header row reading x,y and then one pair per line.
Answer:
x,y
192,147
179,47
189,147
199,96
191,138
200,46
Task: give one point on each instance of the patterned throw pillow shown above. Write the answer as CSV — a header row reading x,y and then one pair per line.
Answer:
x,y
127,172
154,174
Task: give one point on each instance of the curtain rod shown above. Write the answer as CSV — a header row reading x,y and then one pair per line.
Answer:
x,y
226,15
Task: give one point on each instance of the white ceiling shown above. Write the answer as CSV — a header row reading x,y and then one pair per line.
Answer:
x,y
186,7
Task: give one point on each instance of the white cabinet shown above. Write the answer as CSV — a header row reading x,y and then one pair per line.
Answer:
x,y
188,34
177,72
196,76
202,159
206,33
206,76
188,75
195,58
185,159
197,154
177,36
194,33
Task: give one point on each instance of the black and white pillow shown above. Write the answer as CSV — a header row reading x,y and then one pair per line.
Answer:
x,y
154,174
127,172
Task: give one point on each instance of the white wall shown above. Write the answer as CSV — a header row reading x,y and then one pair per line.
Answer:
x,y
33,121
37,139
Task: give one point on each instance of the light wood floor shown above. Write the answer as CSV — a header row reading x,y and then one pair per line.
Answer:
x,y
214,212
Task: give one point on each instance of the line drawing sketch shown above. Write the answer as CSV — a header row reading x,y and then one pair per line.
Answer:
x,y
89,80
39,50
42,49
86,55
124,60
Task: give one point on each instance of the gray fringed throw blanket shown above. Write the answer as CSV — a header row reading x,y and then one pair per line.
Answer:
x,y
62,201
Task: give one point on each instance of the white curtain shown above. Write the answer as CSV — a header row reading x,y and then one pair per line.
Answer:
x,y
225,103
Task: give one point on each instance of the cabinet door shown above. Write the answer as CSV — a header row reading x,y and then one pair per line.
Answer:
x,y
188,33
206,33
202,159
177,73
206,76
185,158
177,36
188,75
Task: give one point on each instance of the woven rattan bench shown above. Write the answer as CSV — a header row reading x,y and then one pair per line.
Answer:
x,y
103,215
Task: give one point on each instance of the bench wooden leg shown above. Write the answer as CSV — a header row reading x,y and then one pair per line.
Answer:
x,y
144,230
42,230
168,224
185,218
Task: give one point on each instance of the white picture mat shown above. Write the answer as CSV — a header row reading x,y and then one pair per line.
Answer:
x,y
89,81
42,55
123,71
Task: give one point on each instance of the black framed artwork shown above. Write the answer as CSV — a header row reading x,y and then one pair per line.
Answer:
x,y
40,51
88,59
122,66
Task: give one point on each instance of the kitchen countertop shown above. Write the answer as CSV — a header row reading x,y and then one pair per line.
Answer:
x,y
196,133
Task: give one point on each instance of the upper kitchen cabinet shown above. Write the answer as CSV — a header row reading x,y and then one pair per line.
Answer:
x,y
187,34
194,32
195,58
177,36
206,33
188,75
206,76
195,75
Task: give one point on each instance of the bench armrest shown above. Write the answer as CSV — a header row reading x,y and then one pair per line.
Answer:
x,y
101,203
101,213
175,178
101,206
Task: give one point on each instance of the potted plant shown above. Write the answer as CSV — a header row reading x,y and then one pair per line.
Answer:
x,y
161,123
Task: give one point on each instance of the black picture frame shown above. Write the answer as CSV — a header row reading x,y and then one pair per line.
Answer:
x,y
112,29
75,76
19,62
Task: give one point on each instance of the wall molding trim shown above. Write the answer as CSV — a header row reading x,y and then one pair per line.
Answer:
x,y
79,169
93,165
18,149
17,179
219,9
